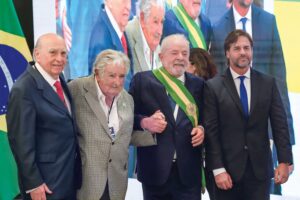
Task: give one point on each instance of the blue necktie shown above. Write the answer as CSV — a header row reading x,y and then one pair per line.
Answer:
x,y
244,20
243,96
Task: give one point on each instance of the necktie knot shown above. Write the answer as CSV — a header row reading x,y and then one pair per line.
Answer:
x,y
242,78
244,20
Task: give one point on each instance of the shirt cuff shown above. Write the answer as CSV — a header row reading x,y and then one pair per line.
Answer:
x,y
219,171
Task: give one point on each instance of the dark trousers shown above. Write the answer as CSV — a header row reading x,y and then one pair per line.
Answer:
x,y
105,195
173,189
248,188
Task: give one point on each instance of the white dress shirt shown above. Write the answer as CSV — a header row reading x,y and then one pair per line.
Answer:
x,y
239,24
111,113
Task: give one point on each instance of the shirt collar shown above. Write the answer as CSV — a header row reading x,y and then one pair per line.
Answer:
x,y
45,75
236,75
237,16
113,22
181,78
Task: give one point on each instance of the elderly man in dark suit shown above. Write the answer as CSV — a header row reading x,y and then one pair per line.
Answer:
x,y
109,32
41,128
238,105
172,168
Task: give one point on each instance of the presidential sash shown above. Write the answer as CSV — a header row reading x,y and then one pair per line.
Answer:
x,y
179,94
195,34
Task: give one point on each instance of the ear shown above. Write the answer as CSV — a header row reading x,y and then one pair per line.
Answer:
x,y
227,54
142,19
160,55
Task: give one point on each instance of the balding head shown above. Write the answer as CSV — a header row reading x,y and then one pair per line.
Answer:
x,y
51,54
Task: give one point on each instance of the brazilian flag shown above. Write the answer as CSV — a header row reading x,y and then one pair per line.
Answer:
x,y
14,55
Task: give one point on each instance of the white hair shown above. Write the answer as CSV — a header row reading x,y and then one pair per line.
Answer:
x,y
145,6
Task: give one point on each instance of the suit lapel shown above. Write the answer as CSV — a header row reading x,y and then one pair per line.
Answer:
x,y
113,34
230,86
47,91
92,100
137,34
255,87
162,98
122,113
257,26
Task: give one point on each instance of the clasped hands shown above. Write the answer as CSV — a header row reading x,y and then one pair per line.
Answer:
x,y
157,123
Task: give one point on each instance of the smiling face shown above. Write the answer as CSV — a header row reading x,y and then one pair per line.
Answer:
x,y
120,9
175,55
50,52
152,25
192,7
239,55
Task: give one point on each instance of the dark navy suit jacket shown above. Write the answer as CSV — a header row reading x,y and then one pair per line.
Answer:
x,y
173,26
267,51
42,135
154,162
105,37
232,140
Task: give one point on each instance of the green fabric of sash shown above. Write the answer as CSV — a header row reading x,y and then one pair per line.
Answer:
x,y
179,93
195,34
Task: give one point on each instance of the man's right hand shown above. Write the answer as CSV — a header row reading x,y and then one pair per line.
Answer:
x,y
223,181
39,193
156,123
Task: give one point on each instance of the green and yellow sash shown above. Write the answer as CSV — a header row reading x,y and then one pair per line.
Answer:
x,y
179,93
195,34
183,98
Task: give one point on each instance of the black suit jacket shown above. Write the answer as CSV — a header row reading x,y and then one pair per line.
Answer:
x,y
42,136
154,163
231,139
267,51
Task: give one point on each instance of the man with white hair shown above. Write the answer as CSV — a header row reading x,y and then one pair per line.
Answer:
x,y
144,33
170,170
108,31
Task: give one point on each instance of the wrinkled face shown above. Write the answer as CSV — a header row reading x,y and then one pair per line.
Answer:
x,y
152,26
192,7
120,9
111,82
240,54
175,57
51,54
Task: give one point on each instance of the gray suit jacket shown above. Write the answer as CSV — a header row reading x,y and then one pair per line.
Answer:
x,y
135,39
103,160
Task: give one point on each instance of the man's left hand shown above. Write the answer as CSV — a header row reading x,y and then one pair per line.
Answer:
x,y
197,136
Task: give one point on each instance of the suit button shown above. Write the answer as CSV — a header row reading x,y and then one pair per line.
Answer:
x,y
109,160
245,147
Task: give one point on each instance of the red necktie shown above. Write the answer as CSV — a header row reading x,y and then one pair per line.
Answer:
x,y
59,91
124,44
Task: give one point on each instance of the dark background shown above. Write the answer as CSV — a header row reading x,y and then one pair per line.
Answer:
x,y
25,14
